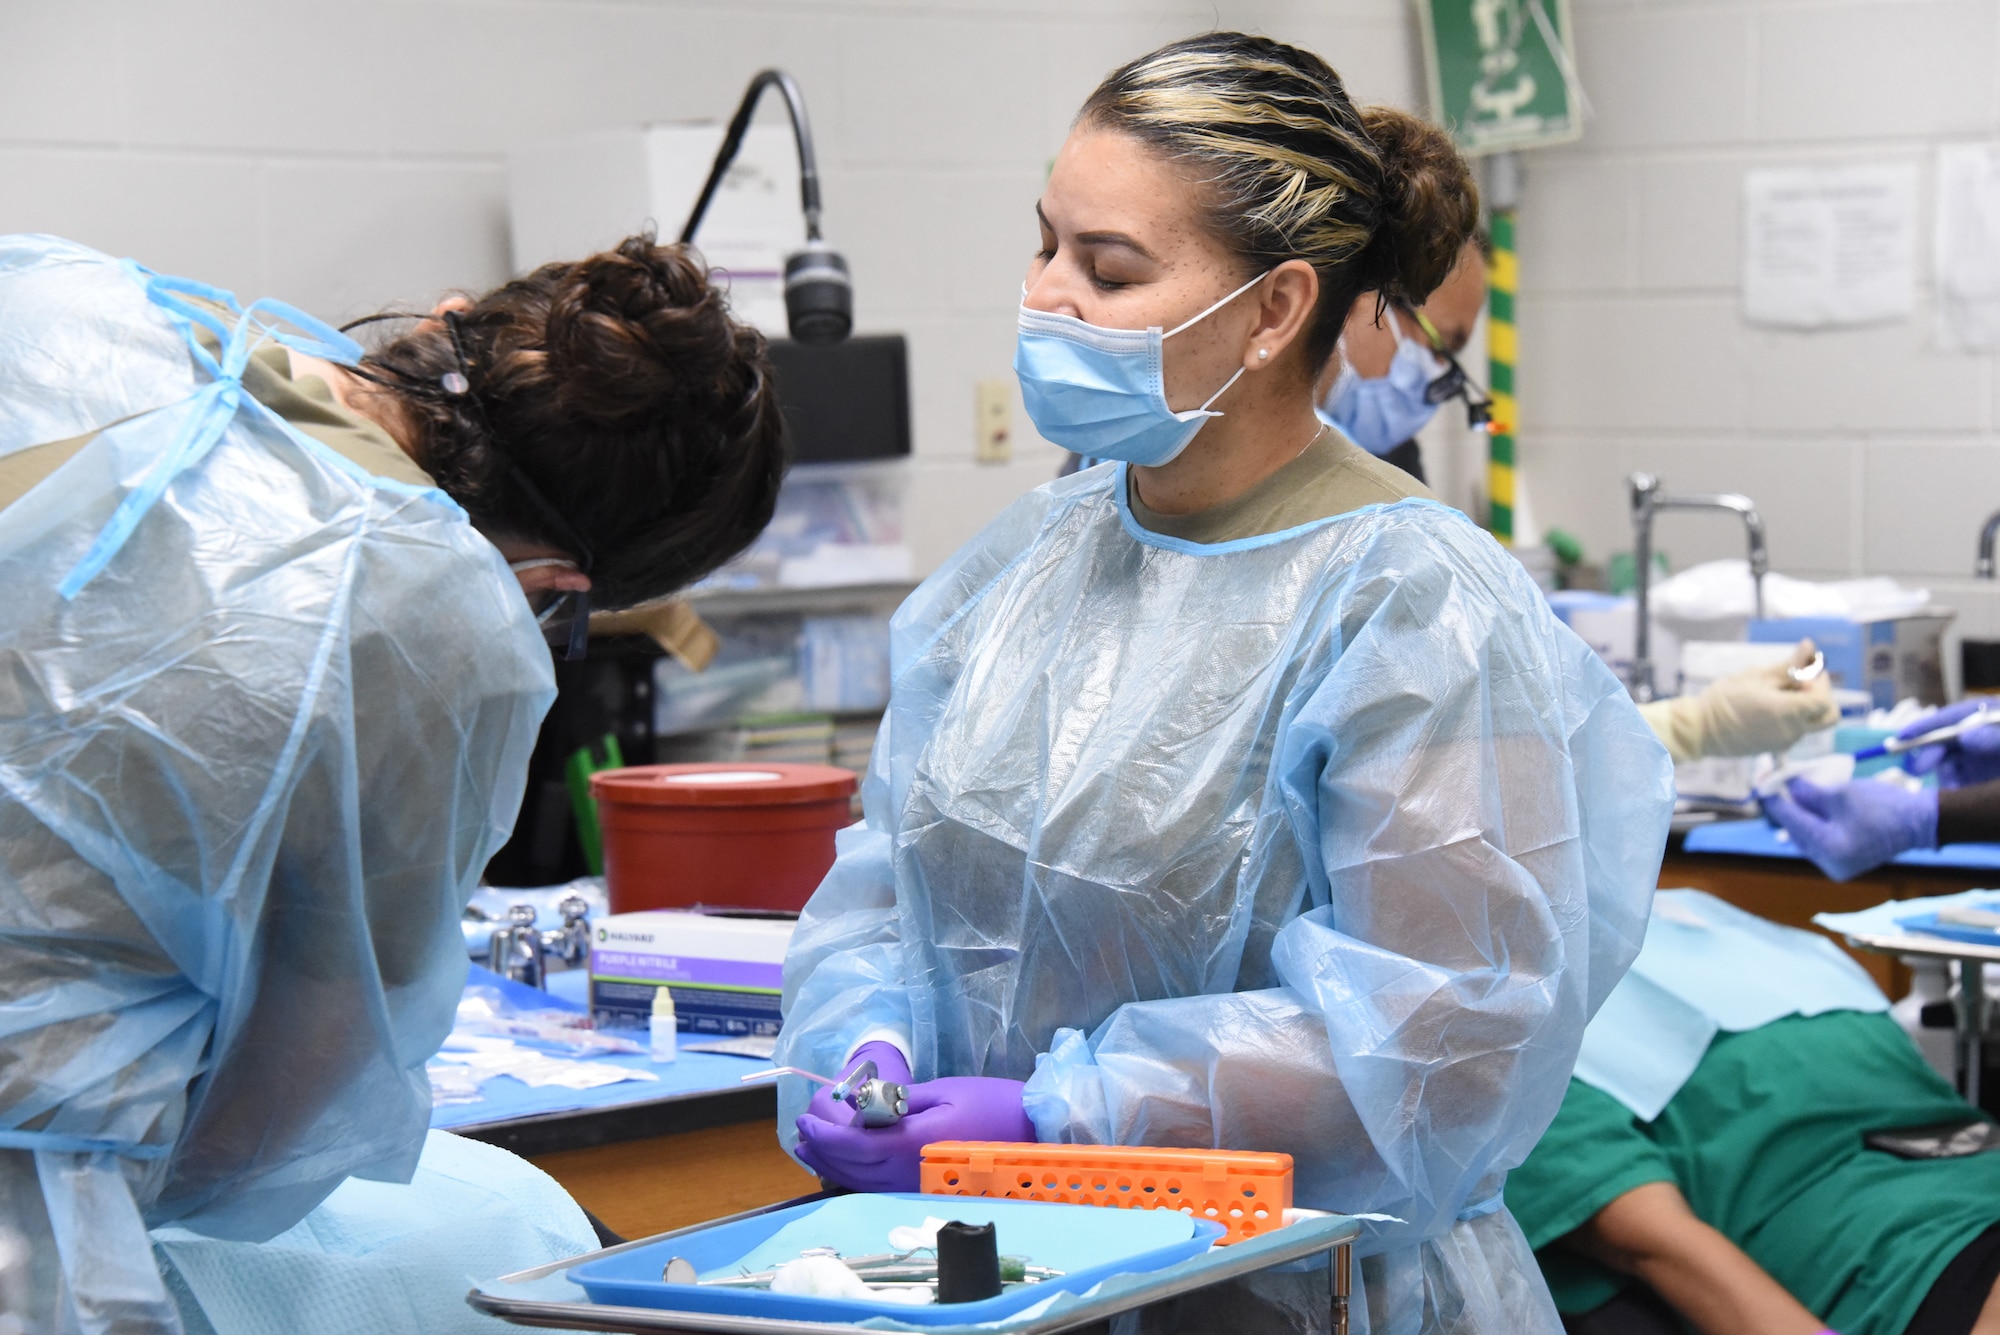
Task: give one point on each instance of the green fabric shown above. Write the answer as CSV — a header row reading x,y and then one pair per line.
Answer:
x,y
1764,1140
1577,1283
1593,1153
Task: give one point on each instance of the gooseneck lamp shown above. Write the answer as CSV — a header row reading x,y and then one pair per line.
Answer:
x,y
819,298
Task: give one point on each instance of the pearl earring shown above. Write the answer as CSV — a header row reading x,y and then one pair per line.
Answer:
x,y
1262,353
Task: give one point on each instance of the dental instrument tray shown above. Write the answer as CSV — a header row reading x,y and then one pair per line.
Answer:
x,y
547,1295
1085,1243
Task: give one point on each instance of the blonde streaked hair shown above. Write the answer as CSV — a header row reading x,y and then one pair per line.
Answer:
x,y
1373,198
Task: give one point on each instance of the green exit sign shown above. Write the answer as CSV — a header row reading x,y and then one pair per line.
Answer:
x,y
1501,72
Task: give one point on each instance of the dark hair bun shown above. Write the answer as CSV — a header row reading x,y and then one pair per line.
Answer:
x,y
1430,205
621,391
633,329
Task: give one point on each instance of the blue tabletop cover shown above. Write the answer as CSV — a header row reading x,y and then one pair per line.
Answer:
x,y
1888,919
1760,839
507,1098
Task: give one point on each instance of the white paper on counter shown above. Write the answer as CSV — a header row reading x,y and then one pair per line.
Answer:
x,y
1968,246
1826,246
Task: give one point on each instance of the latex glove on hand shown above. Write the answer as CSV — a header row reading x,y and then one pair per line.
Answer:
x,y
1746,713
890,1158
1856,826
1969,758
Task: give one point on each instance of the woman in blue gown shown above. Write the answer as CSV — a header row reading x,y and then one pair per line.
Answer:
x,y
1235,792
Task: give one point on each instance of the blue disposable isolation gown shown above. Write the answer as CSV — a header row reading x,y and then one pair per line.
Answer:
x,y
1326,842
263,718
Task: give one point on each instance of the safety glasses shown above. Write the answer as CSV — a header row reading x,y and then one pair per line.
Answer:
x,y
565,623
1454,383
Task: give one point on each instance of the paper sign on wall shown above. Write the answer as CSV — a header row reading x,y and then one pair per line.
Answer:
x,y
1968,246
1826,246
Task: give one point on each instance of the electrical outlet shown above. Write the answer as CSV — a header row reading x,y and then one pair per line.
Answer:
x,y
993,422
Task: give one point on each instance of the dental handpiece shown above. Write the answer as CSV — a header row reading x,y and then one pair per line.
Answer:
x,y
876,1102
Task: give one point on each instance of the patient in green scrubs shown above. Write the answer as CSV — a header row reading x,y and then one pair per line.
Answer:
x,y
1749,1203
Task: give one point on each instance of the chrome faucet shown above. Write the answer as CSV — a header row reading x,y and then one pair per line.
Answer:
x,y
1987,532
1648,501
521,952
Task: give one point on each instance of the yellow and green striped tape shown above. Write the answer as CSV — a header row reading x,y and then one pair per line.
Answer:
x,y
1502,281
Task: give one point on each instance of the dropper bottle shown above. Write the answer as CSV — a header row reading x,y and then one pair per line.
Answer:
x,y
664,1027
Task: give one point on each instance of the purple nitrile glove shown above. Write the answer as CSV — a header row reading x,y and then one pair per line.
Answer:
x,y
890,1158
1856,826
1970,758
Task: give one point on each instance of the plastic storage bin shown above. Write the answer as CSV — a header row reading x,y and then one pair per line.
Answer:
x,y
1247,1192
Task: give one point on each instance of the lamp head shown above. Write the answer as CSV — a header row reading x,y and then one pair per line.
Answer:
x,y
819,299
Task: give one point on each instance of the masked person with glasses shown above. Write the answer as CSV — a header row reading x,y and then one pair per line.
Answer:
x,y
1235,793
1398,364
271,688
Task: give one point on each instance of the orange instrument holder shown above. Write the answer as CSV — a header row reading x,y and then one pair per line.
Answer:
x,y
1244,1191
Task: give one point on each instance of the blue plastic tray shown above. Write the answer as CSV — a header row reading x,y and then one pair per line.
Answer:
x,y
1109,1242
1928,924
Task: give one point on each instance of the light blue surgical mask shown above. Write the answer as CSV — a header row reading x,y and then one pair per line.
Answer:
x,y
1378,413
1101,393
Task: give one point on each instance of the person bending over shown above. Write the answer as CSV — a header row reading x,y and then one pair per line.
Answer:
x,y
273,674
1236,794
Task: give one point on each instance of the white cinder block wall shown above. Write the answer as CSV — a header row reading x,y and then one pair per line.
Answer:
x,y
350,155
1868,450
